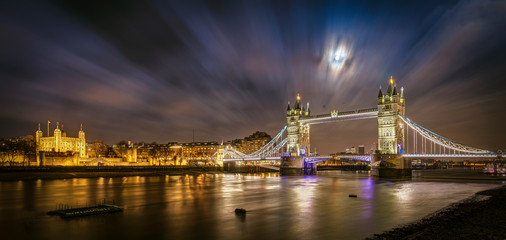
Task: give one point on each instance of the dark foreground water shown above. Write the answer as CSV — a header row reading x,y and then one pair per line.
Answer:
x,y
202,207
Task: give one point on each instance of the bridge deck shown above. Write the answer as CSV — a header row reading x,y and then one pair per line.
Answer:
x,y
252,159
368,158
449,155
360,157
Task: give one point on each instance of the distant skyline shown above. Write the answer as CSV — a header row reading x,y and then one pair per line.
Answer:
x,y
155,70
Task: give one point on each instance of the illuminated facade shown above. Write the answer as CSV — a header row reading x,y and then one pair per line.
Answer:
x,y
297,133
251,143
390,126
198,150
250,146
158,154
60,143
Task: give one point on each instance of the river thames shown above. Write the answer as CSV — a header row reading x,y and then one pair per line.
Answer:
x,y
202,206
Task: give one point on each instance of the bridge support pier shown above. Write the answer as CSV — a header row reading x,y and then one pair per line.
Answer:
x,y
391,166
310,168
291,166
229,166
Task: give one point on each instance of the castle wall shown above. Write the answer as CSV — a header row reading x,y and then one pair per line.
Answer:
x,y
60,144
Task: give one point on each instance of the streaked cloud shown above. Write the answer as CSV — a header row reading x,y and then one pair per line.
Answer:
x,y
156,70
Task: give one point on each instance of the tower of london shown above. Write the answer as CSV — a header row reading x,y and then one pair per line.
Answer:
x,y
60,143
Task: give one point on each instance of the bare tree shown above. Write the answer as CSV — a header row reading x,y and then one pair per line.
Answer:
x,y
99,149
155,152
121,148
26,148
165,153
9,149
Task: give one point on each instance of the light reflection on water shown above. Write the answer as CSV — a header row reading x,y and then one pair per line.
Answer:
x,y
201,206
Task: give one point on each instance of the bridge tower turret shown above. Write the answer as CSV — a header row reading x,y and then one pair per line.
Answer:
x,y
389,161
297,133
390,127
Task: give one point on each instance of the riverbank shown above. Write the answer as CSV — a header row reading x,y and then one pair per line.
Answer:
x,y
462,174
481,217
34,173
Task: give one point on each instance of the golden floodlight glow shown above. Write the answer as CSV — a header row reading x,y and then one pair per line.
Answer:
x,y
298,97
391,80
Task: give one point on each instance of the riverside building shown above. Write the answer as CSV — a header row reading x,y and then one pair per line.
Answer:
x,y
60,143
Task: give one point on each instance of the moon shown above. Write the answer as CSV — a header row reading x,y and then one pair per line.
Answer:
x,y
339,57
336,61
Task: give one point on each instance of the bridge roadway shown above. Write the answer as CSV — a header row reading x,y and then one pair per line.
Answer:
x,y
252,159
359,157
368,158
452,156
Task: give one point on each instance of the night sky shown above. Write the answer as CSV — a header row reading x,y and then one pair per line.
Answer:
x,y
156,70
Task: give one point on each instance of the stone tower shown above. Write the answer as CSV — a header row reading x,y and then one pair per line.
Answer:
x,y
82,143
390,126
297,133
38,136
57,138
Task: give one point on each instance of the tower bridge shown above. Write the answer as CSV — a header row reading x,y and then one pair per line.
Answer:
x,y
399,139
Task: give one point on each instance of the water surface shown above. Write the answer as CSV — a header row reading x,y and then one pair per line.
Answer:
x,y
202,206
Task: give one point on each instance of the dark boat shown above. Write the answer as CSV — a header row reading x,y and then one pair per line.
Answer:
x,y
240,211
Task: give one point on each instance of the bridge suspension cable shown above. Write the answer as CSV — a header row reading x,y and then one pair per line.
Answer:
x,y
270,143
435,139
268,150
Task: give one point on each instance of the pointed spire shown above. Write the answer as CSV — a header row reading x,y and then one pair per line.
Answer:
x,y
402,92
297,103
288,108
57,125
390,87
395,90
380,94
81,127
39,126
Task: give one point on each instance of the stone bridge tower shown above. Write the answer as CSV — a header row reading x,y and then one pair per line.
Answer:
x,y
390,126
388,162
297,133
